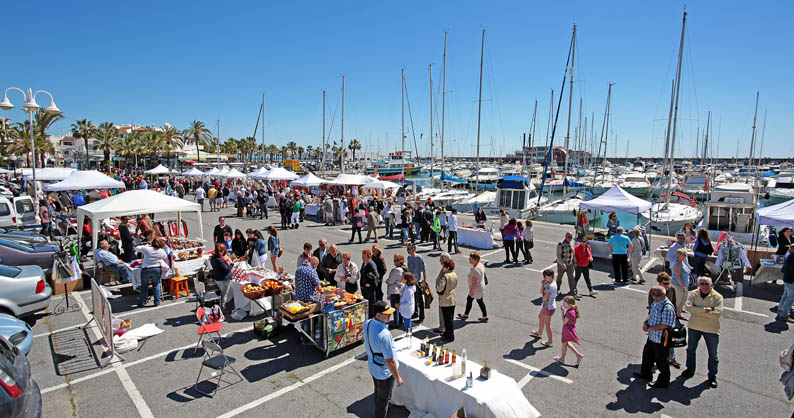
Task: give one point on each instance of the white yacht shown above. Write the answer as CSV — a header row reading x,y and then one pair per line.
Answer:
x,y
564,211
471,204
486,177
669,218
781,189
517,196
696,186
636,184
732,209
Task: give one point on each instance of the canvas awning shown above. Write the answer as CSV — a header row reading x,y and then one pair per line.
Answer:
x,y
279,173
352,180
85,180
781,214
308,180
193,172
132,203
234,174
617,200
50,173
160,169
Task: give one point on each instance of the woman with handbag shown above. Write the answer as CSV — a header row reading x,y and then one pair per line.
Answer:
x,y
273,246
476,287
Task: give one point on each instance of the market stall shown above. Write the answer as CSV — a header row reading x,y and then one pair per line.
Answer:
x,y
256,290
336,320
130,203
313,209
477,238
159,170
613,200
85,180
433,388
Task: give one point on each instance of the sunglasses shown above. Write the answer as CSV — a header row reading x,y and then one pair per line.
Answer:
x,y
657,294
704,283
666,282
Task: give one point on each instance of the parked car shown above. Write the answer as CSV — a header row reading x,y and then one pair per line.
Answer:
x,y
18,212
20,253
20,396
24,290
16,331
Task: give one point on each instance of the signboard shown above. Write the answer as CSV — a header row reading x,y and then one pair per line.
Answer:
x,y
346,326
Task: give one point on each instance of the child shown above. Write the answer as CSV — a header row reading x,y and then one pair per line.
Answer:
x,y
569,335
406,304
548,289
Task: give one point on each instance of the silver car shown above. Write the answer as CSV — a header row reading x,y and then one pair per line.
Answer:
x,y
24,290
20,395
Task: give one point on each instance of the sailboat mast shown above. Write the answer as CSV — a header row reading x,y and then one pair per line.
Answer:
x,y
342,153
706,139
752,138
570,108
402,129
443,102
531,134
323,148
432,153
479,114
263,128
676,91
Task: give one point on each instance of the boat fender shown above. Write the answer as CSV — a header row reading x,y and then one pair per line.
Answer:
x,y
772,237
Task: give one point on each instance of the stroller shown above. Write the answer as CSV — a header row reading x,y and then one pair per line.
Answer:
x,y
253,210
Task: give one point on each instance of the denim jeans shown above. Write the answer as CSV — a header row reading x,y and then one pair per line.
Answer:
x,y
149,275
786,301
396,318
712,341
405,234
583,271
418,229
382,396
124,274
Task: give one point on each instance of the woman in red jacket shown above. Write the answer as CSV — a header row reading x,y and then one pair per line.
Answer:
x,y
584,258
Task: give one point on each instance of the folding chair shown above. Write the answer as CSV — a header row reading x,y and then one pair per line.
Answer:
x,y
202,296
216,362
206,327
103,270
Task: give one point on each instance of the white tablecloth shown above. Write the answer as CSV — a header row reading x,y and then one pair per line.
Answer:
x,y
247,305
427,389
768,271
476,238
186,268
312,210
600,249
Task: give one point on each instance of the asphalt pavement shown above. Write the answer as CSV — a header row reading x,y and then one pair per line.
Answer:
x,y
282,378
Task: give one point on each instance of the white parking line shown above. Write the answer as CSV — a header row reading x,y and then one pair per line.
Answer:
x,y
534,371
491,253
724,307
154,308
126,380
738,298
648,264
289,388
550,266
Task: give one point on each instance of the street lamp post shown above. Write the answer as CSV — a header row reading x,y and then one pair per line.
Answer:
x,y
29,107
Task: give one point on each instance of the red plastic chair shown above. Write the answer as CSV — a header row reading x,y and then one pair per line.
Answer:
x,y
206,327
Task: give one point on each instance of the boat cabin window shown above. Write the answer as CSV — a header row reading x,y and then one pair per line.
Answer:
x,y
513,199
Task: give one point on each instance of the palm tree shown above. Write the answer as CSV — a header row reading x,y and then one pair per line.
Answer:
x,y
107,140
197,134
284,150
300,153
174,139
229,146
353,146
310,150
84,129
292,147
129,147
249,146
339,153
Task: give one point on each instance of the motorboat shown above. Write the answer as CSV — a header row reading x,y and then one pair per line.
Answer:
x,y
397,163
485,177
669,217
564,211
636,184
471,204
732,209
696,186
517,196
782,190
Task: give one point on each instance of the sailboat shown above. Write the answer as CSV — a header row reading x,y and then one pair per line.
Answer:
x,y
564,211
666,216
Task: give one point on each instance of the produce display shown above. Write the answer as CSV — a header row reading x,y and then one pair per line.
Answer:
x,y
339,297
184,243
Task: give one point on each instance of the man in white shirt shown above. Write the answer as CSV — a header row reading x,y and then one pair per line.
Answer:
x,y
452,225
680,243
200,196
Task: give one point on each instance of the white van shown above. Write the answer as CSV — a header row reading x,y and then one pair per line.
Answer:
x,y
18,212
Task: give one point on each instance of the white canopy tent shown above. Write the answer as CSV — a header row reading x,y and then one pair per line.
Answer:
x,y
781,214
222,172
381,185
308,180
617,200
212,172
160,169
279,173
258,173
193,172
352,180
50,173
234,174
131,203
85,180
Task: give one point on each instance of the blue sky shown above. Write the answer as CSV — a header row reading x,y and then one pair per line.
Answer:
x,y
155,62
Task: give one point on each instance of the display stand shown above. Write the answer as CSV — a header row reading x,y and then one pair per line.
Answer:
x,y
337,329
65,305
